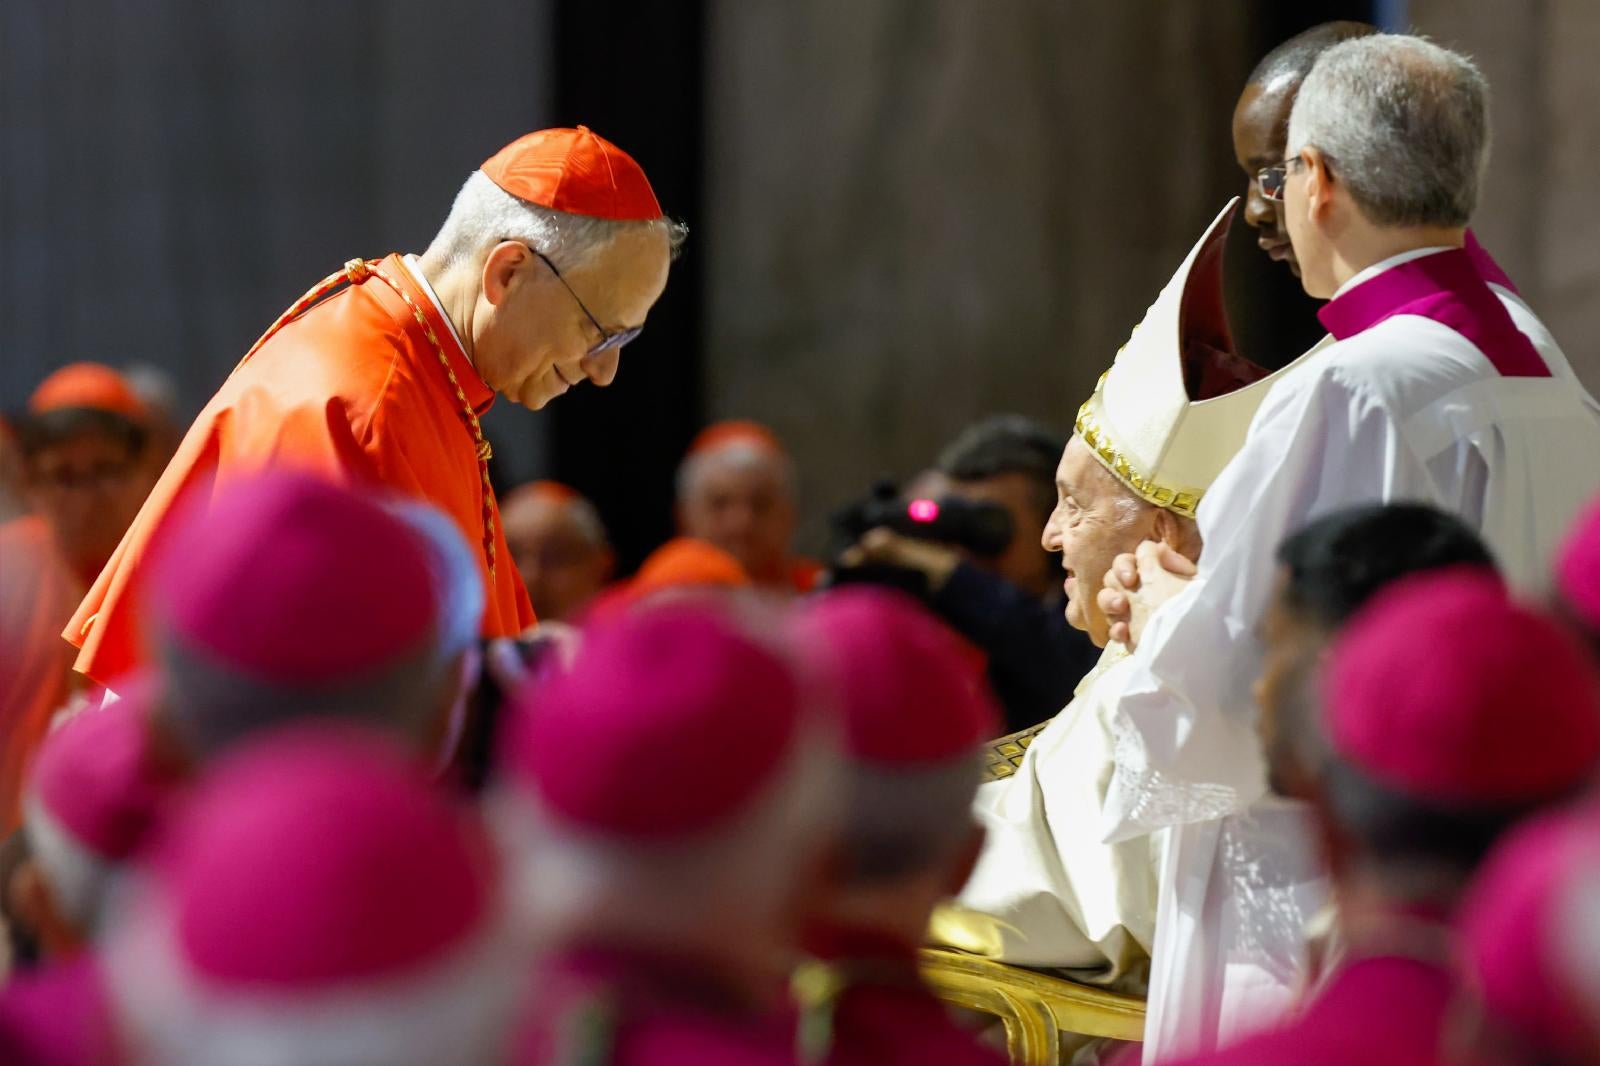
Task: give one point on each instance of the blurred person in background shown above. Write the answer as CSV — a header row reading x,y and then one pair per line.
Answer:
x,y
1577,575
1326,572
80,457
1440,736
560,548
316,899
157,389
913,717
84,444
1530,932
736,490
548,262
378,637
666,801
1008,603
94,793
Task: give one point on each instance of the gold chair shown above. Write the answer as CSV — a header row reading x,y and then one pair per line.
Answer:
x,y
1035,1007
1002,758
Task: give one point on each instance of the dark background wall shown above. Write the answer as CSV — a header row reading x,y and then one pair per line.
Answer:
x,y
905,213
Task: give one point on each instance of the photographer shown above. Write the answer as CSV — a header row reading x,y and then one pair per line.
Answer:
x,y
1006,598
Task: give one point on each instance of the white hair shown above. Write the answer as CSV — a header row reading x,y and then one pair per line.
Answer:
x,y
484,213
81,882
1405,125
460,1007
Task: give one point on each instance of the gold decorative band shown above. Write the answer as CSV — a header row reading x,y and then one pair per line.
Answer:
x,y
1099,442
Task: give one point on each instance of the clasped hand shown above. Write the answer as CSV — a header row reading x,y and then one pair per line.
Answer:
x,y
1137,583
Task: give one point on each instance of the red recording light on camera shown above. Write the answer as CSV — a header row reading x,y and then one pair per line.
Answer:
x,y
923,510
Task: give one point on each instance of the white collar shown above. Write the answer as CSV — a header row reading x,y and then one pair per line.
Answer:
x,y
1388,264
415,270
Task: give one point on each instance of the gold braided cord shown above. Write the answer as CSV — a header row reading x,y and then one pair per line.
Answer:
x,y
480,442
355,272
1105,449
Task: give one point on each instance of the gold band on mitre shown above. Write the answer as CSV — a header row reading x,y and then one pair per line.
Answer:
x,y
1100,442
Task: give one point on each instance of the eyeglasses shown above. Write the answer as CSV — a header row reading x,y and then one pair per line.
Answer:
x,y
608,340
1272,179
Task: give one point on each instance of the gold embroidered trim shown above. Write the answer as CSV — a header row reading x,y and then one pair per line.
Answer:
x,y
1099,442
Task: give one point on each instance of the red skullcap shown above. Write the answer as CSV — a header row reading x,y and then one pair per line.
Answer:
x,y
91,385
576,171
737,432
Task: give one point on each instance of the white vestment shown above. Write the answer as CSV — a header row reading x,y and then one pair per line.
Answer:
x,y
1409,409
1046,892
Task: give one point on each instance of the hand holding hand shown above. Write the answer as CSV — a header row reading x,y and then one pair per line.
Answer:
x,y
1136,584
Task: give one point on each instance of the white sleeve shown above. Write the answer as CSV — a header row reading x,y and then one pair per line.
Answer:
x,y
1186,746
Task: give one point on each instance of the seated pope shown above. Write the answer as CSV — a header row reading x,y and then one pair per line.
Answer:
x,y
1162,423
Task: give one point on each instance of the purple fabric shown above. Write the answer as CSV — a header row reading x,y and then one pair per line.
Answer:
x,y
1376,1012
1484,264
58,1016
1446,287
637,1008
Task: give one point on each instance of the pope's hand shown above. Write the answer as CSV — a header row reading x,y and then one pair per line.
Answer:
x,y
884,547
1136,584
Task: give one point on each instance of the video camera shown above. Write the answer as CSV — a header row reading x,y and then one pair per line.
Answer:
x,y
979,528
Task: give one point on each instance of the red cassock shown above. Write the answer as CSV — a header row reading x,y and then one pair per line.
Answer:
x,y
1376,1011
880,1011
367,385
36,593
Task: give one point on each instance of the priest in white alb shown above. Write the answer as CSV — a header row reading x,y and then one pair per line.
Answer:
x,y
1162,423
1433,386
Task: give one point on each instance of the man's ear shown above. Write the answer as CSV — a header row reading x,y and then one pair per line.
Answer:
x,y
1181,536
501,266
1319,181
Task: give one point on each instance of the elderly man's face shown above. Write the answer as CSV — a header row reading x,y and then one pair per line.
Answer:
x,y
559,560
532,339
1260,127
1095,520
740,500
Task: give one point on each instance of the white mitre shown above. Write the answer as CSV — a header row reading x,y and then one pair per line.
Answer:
x,y
1177,402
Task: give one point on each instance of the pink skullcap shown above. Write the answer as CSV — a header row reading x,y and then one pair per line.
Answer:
x,y
1512,929
1578,567
670,721
908,693
291,579
316,857
93,777
1447,690
57,1015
